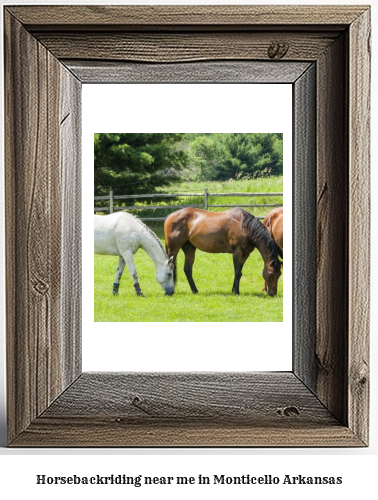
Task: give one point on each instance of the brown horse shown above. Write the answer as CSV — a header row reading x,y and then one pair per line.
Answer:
x,y
274,224
234,231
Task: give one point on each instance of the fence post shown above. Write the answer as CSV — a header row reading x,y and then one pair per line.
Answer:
x,y
205,203
111,201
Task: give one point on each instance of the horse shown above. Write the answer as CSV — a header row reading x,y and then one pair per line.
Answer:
x,y
123,234
234,231
274,224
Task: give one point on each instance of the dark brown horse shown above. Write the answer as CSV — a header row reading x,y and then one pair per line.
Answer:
x,y
234,231
274,224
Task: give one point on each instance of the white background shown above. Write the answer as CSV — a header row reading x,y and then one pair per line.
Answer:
x,y
358,466
169,346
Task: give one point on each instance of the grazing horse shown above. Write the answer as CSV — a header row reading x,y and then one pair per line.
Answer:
x,y
274,224
234,231
123,234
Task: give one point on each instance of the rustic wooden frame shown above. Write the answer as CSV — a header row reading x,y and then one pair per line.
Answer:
x,y
324,400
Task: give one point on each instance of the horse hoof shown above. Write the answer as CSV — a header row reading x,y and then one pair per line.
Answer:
x,y
138,291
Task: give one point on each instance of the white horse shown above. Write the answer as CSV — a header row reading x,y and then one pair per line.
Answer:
x,y
123,234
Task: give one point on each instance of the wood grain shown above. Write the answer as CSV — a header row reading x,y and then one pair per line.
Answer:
x,y
36,358
193,409
324,402
179,47
359,227
70,160
332,230
33,208
184,16
100,432
242,397
199,72
304,228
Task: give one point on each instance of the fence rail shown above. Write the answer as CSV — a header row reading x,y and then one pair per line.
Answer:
x,y
205,205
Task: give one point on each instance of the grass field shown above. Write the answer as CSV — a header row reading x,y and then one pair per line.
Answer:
x,y
212,273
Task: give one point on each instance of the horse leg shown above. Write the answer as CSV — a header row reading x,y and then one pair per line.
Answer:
x,y
190,253
173,244
120,268
239,261
129,260
172,252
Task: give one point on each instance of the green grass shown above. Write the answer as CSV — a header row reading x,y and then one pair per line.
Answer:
x,y
213,275
259,185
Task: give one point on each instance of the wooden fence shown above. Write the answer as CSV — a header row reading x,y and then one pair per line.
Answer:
x,y
205,202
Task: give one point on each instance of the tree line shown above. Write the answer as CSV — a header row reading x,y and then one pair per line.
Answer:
x,y
140,163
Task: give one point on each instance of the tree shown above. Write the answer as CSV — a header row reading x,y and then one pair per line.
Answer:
x,y
136,163
203,157
230,156
270,153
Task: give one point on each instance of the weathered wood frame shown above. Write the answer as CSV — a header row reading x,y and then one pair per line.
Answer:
x,y
49,53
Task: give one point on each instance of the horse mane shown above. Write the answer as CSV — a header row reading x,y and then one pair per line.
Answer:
x,y
151,232
258,231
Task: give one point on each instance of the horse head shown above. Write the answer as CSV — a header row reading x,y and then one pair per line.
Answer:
x,y
165,276
271,274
